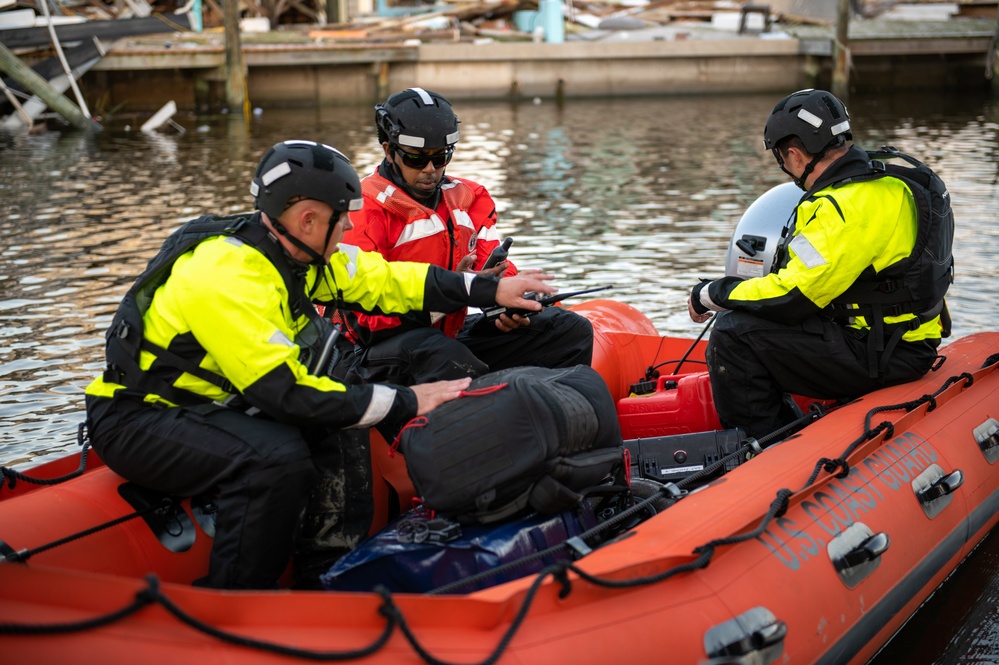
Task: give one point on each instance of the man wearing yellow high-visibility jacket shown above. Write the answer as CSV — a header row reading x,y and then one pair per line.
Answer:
x,y
217,377
854,300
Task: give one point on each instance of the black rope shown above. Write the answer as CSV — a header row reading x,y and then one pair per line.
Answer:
x,y
142,599
391,609
151,594
261,645
13,476
25,554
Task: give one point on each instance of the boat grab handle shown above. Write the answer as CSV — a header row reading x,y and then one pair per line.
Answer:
x,y
869,550
941,487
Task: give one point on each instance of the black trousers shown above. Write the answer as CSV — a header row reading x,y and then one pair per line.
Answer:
x,y
265,476
555,338
752,362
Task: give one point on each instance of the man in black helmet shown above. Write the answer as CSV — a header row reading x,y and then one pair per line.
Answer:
x,y
854,300
216,380
414,212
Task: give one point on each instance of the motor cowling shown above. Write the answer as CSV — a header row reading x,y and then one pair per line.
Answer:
x,y
754,243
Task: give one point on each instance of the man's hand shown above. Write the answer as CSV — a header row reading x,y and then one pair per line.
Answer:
x,y
506,323
511,290
431,395
694,316
467,261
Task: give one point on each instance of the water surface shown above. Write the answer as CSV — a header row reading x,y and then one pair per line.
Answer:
x,y
640,193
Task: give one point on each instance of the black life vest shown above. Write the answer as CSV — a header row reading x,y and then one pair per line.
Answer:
x,y
918,283
124,337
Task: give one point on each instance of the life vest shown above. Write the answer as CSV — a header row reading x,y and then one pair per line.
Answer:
x,y
916,284
125,339
456,236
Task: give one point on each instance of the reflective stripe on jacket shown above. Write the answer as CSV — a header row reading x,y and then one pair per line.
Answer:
x,y
840,232
226,307
400,228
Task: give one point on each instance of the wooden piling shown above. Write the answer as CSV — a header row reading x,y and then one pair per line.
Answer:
x,y
841,51
235,65
992,60
35,84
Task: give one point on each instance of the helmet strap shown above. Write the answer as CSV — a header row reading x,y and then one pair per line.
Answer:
x,y
317,258
800,181
392,171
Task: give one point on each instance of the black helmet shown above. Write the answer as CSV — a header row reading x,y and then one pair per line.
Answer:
x,y
417,118
305,168
814,116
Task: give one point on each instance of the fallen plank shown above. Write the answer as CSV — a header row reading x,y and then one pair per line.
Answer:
x,y
49,68
103,30
34,106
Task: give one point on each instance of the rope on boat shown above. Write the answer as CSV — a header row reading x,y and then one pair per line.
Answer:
x,y
13,476
153,590
21,556
142,599
395,618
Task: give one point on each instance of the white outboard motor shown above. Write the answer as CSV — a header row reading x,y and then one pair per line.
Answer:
x,y
754,243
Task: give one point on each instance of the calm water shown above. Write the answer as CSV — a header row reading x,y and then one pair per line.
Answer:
x,y
643,194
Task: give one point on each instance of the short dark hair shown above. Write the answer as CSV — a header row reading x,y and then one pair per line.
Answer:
x,y
791,141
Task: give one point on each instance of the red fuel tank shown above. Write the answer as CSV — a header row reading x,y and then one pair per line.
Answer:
x,y
681,404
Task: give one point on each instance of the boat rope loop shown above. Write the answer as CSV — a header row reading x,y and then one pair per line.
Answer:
x,y
154,591
830,465
13,476
395,616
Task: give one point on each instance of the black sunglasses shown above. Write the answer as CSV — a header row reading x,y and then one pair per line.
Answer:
x,y
420,161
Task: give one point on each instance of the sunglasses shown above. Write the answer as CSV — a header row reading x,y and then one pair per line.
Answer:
x,y
420,161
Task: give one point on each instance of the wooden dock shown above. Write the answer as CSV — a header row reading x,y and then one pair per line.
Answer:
x,y
303,68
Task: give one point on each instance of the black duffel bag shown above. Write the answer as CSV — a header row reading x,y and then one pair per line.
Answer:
x,y
517,440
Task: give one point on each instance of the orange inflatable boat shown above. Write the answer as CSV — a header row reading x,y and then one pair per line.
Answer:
x,y
815,550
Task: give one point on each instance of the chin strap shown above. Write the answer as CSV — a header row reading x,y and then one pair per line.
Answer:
x,y
800,182
317,258
393,173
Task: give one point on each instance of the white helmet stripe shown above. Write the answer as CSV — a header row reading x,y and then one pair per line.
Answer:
x,y
278,171
424,97
840,128
810,118
411,141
